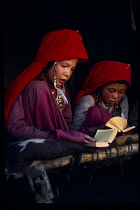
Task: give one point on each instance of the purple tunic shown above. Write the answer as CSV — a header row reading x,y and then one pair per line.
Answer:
x,y
96,118
35,114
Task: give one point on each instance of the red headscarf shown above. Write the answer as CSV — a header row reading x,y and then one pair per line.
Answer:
x,y
102,73
58,45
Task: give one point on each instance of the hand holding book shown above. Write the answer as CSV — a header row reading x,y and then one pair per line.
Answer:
x,y
105,136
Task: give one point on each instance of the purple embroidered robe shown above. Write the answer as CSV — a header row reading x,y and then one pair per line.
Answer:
x,y
35,114
95,119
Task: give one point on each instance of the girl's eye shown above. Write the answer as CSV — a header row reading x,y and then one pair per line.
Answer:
x,y
63,66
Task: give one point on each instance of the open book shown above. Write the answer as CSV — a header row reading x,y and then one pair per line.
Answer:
x,y
103,138
120,124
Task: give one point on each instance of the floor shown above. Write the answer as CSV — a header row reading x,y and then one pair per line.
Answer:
x,y
106,183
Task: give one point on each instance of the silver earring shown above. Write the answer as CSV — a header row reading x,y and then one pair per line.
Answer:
x,y
55,63
97,96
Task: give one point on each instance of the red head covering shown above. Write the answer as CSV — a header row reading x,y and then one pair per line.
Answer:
x,y
102,73
58,45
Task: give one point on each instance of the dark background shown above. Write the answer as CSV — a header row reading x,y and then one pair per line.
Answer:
x,y
106,28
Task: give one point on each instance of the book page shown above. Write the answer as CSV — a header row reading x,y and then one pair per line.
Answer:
x,y
129,128
104,135
108,125
118,122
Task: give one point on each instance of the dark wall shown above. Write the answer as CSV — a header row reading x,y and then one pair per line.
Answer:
x,y
106,27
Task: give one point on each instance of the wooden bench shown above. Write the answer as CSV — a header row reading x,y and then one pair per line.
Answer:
x,y
68,154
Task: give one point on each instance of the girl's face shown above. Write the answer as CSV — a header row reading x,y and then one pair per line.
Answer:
x,y
64,70
113,93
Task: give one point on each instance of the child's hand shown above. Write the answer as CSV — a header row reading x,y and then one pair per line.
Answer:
x,y
88,138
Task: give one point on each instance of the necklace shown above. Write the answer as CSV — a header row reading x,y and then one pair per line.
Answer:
x,y
114,110
58,98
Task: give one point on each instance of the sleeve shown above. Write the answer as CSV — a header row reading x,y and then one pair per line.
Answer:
x,y
81,110
18,127
124,107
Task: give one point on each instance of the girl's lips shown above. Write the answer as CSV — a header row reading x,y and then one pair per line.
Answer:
x,y
112,102
62,80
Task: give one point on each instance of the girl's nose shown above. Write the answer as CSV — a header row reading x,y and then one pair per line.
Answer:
x,y
115,95
67,72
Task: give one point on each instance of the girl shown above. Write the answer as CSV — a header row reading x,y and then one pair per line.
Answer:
x,y
37,103
102,96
